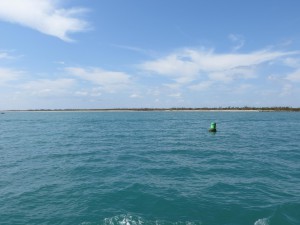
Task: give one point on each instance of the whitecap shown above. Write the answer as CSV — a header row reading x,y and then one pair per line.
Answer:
x,y
263,221
136,220
123,220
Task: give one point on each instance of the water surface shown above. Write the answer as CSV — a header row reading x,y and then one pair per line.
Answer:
x,y
90,168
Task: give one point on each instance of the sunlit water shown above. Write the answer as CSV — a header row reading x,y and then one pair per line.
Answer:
x,y
134,168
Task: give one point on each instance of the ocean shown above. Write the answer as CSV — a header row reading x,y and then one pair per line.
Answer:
x,y
149,168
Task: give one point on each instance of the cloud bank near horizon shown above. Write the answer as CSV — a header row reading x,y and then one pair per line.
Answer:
x,y
171,80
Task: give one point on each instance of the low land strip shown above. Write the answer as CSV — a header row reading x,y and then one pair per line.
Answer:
x,y
229,109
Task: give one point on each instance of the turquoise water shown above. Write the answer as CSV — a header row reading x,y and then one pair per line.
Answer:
x,y
134,168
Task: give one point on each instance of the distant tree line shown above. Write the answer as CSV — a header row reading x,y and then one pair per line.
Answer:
x,y
245,108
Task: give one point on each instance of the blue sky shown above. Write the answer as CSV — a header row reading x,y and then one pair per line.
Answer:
x,y
171,53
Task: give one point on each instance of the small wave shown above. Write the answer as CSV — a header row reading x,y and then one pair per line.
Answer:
x,y
136,220
263,221
123,220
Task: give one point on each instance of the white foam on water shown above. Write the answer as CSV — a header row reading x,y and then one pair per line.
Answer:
x,y
123,220
263,221
136,220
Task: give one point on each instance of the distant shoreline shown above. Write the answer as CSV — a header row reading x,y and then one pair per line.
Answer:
x,y
220,109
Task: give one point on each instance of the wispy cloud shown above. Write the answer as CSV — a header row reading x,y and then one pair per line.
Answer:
x,y
292,62
110,81
294,76
202,86
176,95
45,16
7,74
234,73
238,40
135,96
93,92
47,87
5,55
287,89
190,65
135,49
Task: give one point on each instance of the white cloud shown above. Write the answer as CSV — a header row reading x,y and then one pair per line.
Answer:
x,y
7,75
154,92
243,88
210,61
287,89
202,86
94,92
189,65
43,15
108,80
176,95
5,55
238,40
135,96
295,76
174,65
47,87
81,93
292,62
173,86
135,49
229,75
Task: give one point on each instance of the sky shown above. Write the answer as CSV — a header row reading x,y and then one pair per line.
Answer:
x,y
63,54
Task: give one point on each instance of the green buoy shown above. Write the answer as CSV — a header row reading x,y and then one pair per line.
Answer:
x,y
213,127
